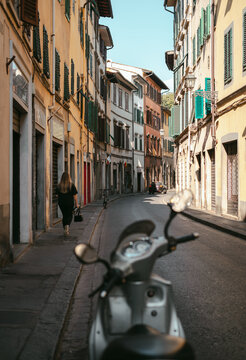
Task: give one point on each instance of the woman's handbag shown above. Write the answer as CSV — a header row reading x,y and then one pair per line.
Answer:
x,y
77,216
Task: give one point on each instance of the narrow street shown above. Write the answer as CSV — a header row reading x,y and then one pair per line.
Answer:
x,y
207,276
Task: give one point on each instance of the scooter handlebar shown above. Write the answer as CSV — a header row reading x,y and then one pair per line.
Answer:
x,y
117,275
186,238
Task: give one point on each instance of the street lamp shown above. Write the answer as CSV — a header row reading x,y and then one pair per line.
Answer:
x,y
190,81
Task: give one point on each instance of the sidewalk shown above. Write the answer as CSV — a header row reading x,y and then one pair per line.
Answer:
x,y
36,290
232,227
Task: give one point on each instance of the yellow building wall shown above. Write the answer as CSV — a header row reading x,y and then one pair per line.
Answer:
x,y
231,106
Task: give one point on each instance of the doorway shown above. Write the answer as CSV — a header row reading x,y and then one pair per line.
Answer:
x,y
16,188
139,176
232,178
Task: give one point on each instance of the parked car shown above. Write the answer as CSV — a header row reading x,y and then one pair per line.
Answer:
x,y
160,187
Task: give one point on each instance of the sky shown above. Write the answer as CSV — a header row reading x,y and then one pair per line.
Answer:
x,y
142,31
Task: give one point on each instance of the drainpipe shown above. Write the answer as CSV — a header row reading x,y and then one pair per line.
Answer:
x,y
213,130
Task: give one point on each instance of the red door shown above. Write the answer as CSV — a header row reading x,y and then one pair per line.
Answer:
x,y
89,182
85,183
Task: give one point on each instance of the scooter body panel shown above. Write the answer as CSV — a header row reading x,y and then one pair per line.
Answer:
x,y
150,302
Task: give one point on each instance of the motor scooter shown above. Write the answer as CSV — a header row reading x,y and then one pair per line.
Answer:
x,y
136,316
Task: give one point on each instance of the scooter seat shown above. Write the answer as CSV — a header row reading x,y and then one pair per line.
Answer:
x,y
145,342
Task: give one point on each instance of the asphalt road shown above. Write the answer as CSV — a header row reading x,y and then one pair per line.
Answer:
x,y
208,277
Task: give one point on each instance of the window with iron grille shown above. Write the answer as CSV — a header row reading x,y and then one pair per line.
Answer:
x,y
36,43
57,70
228,56
244,41
66,82
67,9
72,77
46,67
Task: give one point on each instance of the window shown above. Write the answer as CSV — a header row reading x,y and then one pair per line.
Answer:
x,y
140,143
127,138
228,57
66,82
46,67
244,41
36,43
78,86
120,97
81,28
67,9
114,94
91,64
57,70
194,50
136,142
126,101
72,77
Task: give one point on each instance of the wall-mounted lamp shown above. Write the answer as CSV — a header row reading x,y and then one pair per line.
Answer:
x,y
190,81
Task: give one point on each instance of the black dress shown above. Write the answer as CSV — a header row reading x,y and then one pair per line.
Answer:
x,y
66,204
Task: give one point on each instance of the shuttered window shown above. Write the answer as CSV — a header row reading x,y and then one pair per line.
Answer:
x,y
202,26
72,77
199,108
244,41
67,9
46,67
194,50
81,28
66,82
78,86
57,70
228,57
29,12
36,43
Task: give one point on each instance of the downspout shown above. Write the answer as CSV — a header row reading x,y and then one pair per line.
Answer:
x,y
53,103
213,130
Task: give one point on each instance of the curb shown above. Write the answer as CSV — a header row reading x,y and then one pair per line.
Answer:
x,y
215,226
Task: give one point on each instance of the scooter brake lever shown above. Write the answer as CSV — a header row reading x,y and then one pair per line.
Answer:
x,y
99,288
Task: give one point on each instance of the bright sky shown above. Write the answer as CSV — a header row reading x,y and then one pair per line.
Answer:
x,y
142,32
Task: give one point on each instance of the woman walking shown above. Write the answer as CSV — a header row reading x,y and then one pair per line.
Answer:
x,y
67,198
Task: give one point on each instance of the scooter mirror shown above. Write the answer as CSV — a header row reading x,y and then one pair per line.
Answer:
x,y
180,201
86,253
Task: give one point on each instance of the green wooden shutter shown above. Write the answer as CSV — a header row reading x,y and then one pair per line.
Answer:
x,y
198,42
228,57
36,43
67,9
66,82
72,77
46,67
207,102
202,24
244,41
78,86
199,111
87,46
57,70
194,50
86,110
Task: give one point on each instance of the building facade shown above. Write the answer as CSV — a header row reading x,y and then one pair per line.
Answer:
x,y
134,75
120,132
51,103
210,143
167,146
